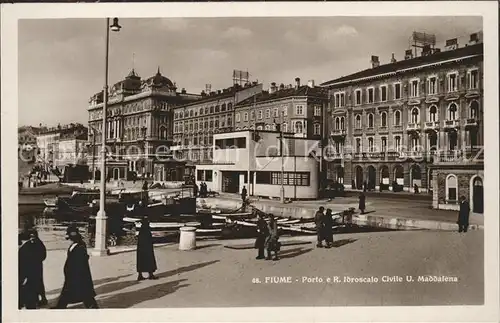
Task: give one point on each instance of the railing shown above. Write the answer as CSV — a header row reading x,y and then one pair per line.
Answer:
x,y
413,126
432,125
338,132
471,122
451,123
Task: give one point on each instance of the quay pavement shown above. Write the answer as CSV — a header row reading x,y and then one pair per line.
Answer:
x,y
369,267
380,211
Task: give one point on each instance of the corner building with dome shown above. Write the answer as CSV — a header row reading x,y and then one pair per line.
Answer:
x,y
139,128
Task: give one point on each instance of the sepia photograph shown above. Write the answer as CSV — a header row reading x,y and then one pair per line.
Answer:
x,y
325,161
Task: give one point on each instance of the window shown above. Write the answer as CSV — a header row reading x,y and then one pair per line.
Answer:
x,y
223,108
383,119
452,82
415,118
289,178
339,99
370,120
200,111
206,110
383,93
370,96
237,117
432,85
397,143
208,175
217,109
285,127
384,144
276,112
474,109
358,145
357,97
229,121
268,113
337,123
473,76
397,118
252,115
267,127
190,113
259,114
299,128
285,110
216,123
358,121
451,188
317,111
452,112
433,116
299,110
415,143
211,109
229,106
245,116
342,123
397,91
317,129
370,144
414,88
259,128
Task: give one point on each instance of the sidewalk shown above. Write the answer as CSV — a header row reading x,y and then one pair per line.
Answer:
x,y
380,212
216,276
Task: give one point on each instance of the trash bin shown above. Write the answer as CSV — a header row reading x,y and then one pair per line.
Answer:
x,y
187,240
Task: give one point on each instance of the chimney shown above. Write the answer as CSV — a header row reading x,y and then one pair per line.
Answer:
x,y
183,91
408,54
393,59
273,87
297,82
375,61
310,83
282,86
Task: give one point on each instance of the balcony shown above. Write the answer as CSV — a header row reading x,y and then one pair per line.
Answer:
x,y
383,129
413,127
338,133
467,156
471,123
451,124
431,125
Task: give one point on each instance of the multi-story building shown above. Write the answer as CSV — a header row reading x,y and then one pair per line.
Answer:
x,y
257,155
195,123
298,108
26,136
412,122
140,127
61,145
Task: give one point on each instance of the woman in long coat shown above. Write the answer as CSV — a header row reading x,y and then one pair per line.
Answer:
x,y
272,243
362,205
146,262
78,285
262,233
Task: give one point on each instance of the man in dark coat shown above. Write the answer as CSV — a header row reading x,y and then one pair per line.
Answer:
x,y
78,285
244,194
145,195
463,215
328,228
362,200
272,243
262,234
146,262
318,219
28,280
39,256
195,190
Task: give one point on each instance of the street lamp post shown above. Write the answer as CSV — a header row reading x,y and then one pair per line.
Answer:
x,y
100,248
282,189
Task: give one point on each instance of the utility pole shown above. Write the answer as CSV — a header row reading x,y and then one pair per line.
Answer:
x,y
282,190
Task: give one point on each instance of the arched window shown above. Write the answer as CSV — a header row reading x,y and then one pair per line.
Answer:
x,y
190,113
415,118
397,118
223,107
284,127
370,120
358,121
342,123
268,113
217,108
358,145
267,127
397,143
211,109
383,119
259,128
474,109
182,115
163,133
370,144
245,116
299,127
451,188
229,106
317,129
337,123
452,112
433,116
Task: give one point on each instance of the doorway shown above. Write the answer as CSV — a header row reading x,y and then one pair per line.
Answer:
x,y
359,177
372,178
230,182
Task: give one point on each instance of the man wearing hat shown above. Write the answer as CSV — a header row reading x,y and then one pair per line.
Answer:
x,y
78,285
27,274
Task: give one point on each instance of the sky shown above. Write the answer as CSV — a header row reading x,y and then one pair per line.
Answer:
x,y
61,61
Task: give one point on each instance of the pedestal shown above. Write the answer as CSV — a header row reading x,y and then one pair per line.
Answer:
x,y
100,248
187,240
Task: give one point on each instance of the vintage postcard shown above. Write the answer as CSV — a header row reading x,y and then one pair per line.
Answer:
x,y
250,162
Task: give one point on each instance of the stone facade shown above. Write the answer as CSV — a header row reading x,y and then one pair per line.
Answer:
x,y
409,114
469,184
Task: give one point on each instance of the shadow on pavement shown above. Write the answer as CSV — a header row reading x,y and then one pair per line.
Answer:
x,y
343,242
186,269
208,246
292,253
96,282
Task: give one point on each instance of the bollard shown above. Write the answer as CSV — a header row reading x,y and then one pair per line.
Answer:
x,y
187,240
